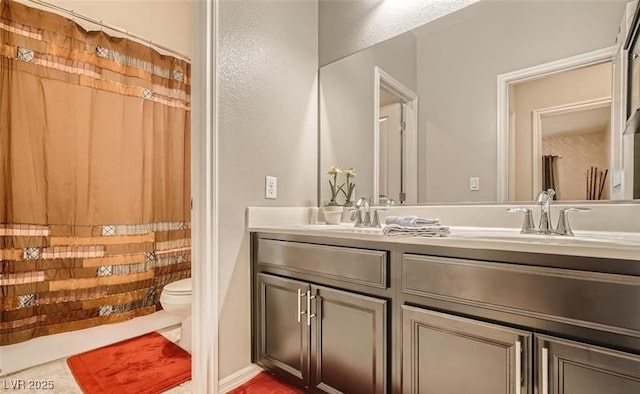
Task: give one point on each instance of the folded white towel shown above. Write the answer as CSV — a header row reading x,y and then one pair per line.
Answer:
x,y
411,221
396,230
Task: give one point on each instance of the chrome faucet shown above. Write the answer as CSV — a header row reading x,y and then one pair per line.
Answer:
x,y
364,219
361,220
544,199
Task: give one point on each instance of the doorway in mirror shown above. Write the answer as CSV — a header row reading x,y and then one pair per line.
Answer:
x,y
395,141
567,116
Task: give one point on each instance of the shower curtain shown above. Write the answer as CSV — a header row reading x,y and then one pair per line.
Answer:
x,y
94,175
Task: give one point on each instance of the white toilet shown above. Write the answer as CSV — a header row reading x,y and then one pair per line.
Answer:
x,y
176,300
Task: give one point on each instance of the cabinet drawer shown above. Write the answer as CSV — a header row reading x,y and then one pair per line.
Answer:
x,y
359,266
589,299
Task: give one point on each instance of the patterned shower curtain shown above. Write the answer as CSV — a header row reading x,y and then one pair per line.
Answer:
x,y
94,175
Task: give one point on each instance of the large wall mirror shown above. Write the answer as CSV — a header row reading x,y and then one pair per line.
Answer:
x,y
491,103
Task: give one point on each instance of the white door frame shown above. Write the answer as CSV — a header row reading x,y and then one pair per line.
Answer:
x,y
204,189
410,165
525,74
538,114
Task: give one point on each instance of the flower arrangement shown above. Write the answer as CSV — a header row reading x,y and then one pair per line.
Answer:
x,y
334,171
348,194
336,188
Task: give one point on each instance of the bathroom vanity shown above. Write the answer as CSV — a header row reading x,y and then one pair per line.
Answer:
x,y
363,313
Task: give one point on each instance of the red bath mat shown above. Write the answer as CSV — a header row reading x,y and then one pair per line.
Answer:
x,y
264,383
148,364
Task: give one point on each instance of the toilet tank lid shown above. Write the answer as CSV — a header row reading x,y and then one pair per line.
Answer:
x,y
179,286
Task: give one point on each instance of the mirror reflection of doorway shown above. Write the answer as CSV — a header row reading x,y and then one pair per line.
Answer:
x,y
561,123
395,161
391,146
575,141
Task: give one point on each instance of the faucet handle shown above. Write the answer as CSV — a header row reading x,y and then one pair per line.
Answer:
x,y
376,217
527,224
356,215
563,227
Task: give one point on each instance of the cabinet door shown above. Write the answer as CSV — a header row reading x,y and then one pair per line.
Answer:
x,y
567,367
282,334
349,342
448,354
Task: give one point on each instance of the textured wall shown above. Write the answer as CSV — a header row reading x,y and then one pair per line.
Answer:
x,y
577,153
348,26
268,61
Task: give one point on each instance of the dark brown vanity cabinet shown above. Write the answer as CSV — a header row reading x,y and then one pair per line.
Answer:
x,y
449,354
567,367
283,335
442,352
325,339
355,316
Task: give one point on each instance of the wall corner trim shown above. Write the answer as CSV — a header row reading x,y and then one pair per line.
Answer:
x,y
237,378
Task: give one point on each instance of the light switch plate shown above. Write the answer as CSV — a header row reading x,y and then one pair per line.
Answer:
x,y
474,183
271,187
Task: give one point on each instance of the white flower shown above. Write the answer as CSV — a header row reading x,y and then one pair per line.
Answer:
x,y
334,170
350,172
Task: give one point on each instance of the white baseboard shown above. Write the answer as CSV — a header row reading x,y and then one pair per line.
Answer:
x,y
236,379
40,350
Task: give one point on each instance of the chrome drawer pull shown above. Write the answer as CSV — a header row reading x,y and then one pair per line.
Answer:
x,y
545,370
300,295
518,367
309,314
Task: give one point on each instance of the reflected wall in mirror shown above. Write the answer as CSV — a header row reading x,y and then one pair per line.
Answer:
x,y
453,64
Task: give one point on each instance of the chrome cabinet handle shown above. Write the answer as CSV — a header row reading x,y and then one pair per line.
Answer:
x,y
300,312
518,367
545,371
309,314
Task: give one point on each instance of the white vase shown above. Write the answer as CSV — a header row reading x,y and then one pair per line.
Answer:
x,y
332,214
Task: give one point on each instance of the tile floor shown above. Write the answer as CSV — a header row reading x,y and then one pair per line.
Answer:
x,y
64,382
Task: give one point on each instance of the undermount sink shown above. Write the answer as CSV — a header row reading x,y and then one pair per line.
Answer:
x,y
579,239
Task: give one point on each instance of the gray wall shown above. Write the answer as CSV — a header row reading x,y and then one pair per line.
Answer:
x,y
268,61
457,69
348,26
346,107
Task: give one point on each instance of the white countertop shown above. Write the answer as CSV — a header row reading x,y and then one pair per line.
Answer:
x,y
604,244
590,244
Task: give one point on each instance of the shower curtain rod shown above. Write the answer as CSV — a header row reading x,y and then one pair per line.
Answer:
x,y
111,27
